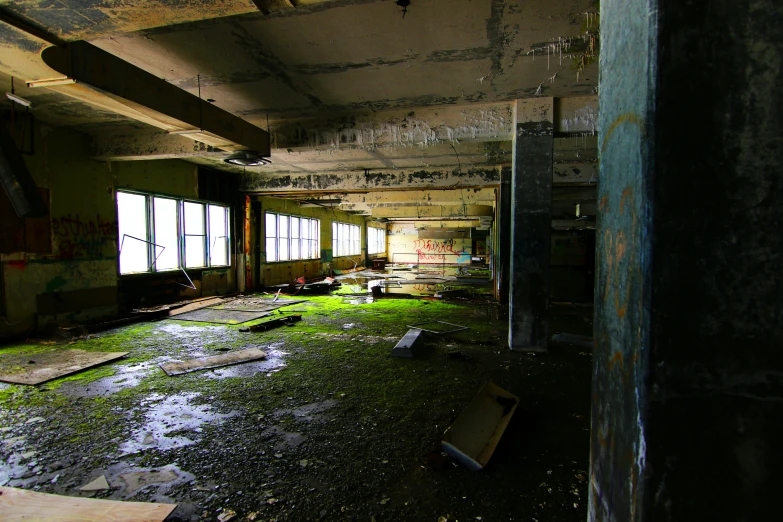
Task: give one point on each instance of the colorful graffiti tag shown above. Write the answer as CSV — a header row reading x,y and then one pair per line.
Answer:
x,y
441,250
78,238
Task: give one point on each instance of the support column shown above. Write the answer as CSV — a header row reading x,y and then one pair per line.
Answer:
x,y
531,224
503,233
687,413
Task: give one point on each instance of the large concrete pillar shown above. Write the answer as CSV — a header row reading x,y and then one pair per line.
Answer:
x,y
531,224
687,407
503,236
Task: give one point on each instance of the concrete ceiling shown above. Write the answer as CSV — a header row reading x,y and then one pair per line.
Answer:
x,y
348,86
327,56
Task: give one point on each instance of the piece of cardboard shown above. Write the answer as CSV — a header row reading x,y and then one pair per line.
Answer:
x,y
475,433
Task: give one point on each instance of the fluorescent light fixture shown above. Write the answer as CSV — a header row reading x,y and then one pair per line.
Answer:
x,y
19,100
50,82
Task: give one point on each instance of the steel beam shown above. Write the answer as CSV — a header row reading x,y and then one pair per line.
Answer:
x,y
103,77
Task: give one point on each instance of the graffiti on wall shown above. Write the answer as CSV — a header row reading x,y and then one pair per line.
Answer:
x,y
76,237
441,250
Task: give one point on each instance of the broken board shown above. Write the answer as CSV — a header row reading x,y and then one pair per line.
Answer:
x,y
210,315
475,434
45,366
20,504
255,304
215,361
203,303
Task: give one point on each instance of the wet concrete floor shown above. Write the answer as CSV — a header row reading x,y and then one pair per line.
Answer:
x,y
328,427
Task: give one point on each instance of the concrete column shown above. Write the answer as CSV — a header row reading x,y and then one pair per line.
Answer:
x,y
531,224
687,413
503,237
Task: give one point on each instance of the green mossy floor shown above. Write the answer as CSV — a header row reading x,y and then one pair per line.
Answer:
x,y
330,426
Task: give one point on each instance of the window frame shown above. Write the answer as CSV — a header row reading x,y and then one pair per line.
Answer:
x,y
313,254
343,237
180,226
376,242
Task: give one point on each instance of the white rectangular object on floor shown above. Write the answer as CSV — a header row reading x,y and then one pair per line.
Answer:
x,y
475,434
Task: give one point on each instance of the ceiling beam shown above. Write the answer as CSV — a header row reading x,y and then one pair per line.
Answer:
x,y
437,211
260,182
103,77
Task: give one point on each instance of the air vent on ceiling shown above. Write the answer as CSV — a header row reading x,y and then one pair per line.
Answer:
x,y
247,158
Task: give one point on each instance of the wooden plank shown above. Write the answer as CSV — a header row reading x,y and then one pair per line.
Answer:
x,y
473,436
216,361
45,366
197,305
19,504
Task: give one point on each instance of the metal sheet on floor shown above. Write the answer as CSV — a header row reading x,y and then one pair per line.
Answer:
x,y
215,361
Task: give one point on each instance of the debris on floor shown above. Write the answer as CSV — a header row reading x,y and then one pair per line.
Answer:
x,y
138,479
215,361
45,366
197,305
454,327
99,484
20,504
404,348
210,315
274,323
473,436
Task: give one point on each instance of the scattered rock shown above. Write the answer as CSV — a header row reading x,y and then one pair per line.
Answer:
x,y
226,515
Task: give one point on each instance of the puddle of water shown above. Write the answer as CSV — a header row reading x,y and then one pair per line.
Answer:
x,y
172,414
127,376
132,479
20,462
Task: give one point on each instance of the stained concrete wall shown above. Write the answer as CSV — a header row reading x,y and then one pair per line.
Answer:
x,y
82,267
273,273
404,246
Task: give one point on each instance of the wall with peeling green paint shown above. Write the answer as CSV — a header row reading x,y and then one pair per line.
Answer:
x,y
83,220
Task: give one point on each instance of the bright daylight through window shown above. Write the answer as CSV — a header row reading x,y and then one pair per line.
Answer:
x,y
158,233
376,240
345,240
289,238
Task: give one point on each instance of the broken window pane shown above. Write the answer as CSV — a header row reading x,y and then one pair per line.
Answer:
x,y
271,237
218,235
132,224
295,245
283,245
166,246
194,235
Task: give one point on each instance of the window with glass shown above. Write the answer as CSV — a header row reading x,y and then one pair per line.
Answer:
x,y
159,233
376,240
290,238
346,239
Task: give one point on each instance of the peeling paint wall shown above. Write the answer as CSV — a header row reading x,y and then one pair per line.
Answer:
x,y
83,231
